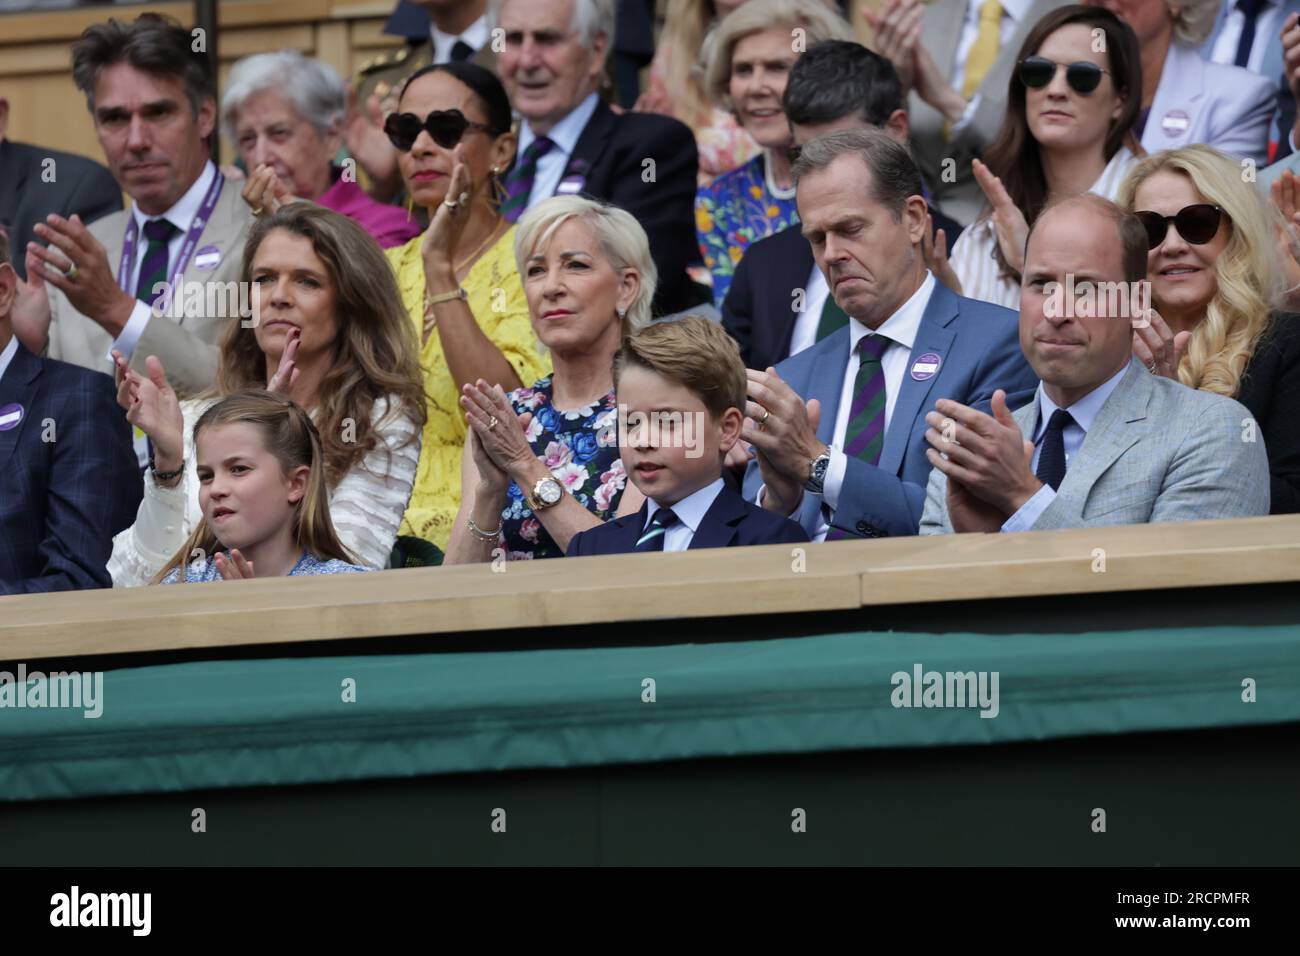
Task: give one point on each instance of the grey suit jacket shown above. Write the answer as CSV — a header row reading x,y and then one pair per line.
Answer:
x,y
1157,451
957,194
188,346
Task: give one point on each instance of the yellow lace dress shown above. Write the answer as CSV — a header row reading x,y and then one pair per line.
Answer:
x,y
496,298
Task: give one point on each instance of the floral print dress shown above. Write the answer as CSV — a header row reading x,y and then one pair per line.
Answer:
x,y
580,447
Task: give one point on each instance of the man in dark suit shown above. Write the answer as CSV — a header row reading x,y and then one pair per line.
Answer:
x,y
70,476
778,303
839,429
35,182
570,142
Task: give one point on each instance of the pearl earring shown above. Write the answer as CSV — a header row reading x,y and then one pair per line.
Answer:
x,y
622,313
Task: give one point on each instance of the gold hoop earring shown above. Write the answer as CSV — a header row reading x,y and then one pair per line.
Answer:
x,y
499,194
410,208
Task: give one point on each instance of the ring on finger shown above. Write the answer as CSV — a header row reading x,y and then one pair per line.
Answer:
x,y
72,272
492,423
766,414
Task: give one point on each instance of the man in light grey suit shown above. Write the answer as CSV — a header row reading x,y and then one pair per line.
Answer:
x,y
958,101
1112,442
90,291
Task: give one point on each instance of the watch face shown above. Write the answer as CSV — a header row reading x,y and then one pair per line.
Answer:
x,y
549,491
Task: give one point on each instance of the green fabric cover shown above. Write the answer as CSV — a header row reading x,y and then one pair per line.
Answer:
x,y
258,722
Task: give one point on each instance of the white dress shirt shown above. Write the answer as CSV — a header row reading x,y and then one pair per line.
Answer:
x,y
1084,412
476,35
181,216
7,355
1268,24
809,320
565,134
690,512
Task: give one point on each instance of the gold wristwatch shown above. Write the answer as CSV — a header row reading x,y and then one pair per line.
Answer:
x,y
545,493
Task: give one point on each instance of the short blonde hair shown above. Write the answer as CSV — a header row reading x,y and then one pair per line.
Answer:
x,y
694,352
1194,20
1249,282
621,238
818,21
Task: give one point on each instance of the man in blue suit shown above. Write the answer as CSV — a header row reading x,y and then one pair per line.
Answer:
x,y
70,477
1247,33
839,428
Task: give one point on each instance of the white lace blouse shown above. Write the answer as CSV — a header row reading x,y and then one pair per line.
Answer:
x,y
366,506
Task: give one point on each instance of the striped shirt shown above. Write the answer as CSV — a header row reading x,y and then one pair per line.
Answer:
x,y
972,256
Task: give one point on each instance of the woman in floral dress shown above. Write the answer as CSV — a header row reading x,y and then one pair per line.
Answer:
x,y
541,463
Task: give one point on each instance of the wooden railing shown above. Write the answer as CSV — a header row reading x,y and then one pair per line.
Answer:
x,y
775,579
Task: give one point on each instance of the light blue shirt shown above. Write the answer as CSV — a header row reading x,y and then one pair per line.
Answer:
x,y
565,135
1084,412
7,355
690,512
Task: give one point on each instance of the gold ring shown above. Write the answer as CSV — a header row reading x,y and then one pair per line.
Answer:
x,y
763,420
71,274
257,210
493,423
451,204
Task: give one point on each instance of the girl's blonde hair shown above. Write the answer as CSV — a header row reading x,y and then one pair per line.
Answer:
x,y
290,436
1249,283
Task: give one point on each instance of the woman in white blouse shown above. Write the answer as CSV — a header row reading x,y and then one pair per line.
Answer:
x,y
328,330
1067,131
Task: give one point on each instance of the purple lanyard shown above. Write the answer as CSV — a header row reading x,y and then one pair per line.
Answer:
x,y
126,269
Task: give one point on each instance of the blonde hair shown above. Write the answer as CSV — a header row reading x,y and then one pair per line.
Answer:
x,y
1248,279
620,237
289,435
693,352
818,21
1194,20
376,353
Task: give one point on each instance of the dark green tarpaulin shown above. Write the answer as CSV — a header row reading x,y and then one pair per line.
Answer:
x,y
266,722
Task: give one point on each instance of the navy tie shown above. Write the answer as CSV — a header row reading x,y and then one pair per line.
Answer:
x,y
653,537
461,51
1051,454
1250,10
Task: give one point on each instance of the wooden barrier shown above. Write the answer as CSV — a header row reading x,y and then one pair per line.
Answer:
x,y
527,597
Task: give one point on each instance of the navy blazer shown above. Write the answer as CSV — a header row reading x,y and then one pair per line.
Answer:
x,y
71,480
978,345
730,522
609,159
759,308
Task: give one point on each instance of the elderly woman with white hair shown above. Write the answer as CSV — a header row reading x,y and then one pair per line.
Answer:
x,y
284,113
1187,99
542,463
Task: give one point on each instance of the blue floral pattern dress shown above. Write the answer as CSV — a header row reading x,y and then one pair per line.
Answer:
x,y
580,447
738,208
307,564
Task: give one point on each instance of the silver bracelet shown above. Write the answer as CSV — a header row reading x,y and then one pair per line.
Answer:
x,y
482,535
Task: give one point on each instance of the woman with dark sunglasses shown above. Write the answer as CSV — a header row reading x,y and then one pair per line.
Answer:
x,y
1216,291
452,130
1069,109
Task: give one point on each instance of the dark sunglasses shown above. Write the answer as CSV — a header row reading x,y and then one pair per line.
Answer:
x,y
1037,71
445,127
1197,224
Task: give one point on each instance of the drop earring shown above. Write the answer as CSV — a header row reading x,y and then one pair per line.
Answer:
x,y
410,208
499,194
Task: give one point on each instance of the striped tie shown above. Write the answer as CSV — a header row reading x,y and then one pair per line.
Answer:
x,y
153,270
865,434
653,538
519,184
833,318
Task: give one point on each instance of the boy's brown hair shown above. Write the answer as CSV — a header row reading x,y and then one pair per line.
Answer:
x,y
693,352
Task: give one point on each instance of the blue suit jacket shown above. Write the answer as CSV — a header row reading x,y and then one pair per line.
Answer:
x,y
979,349
70,477
731,521
1271,68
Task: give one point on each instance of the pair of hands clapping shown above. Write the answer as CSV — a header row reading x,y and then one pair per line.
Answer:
x,y
496,435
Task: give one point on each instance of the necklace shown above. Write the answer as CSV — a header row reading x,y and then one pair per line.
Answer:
x,y
491,236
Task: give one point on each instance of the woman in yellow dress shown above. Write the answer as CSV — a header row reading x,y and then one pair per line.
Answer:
x,y
452,130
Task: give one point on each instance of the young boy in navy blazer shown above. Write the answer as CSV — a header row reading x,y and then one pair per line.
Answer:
x,y
681,387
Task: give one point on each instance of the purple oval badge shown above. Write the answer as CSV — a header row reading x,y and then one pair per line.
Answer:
x,y
926,366
1175,123
10,416
207,258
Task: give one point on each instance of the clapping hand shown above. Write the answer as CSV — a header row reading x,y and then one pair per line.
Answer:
x,y
234,568
1008,221
152,406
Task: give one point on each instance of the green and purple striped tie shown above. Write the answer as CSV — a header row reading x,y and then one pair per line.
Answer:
x,y
864,436
153,269
519,184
